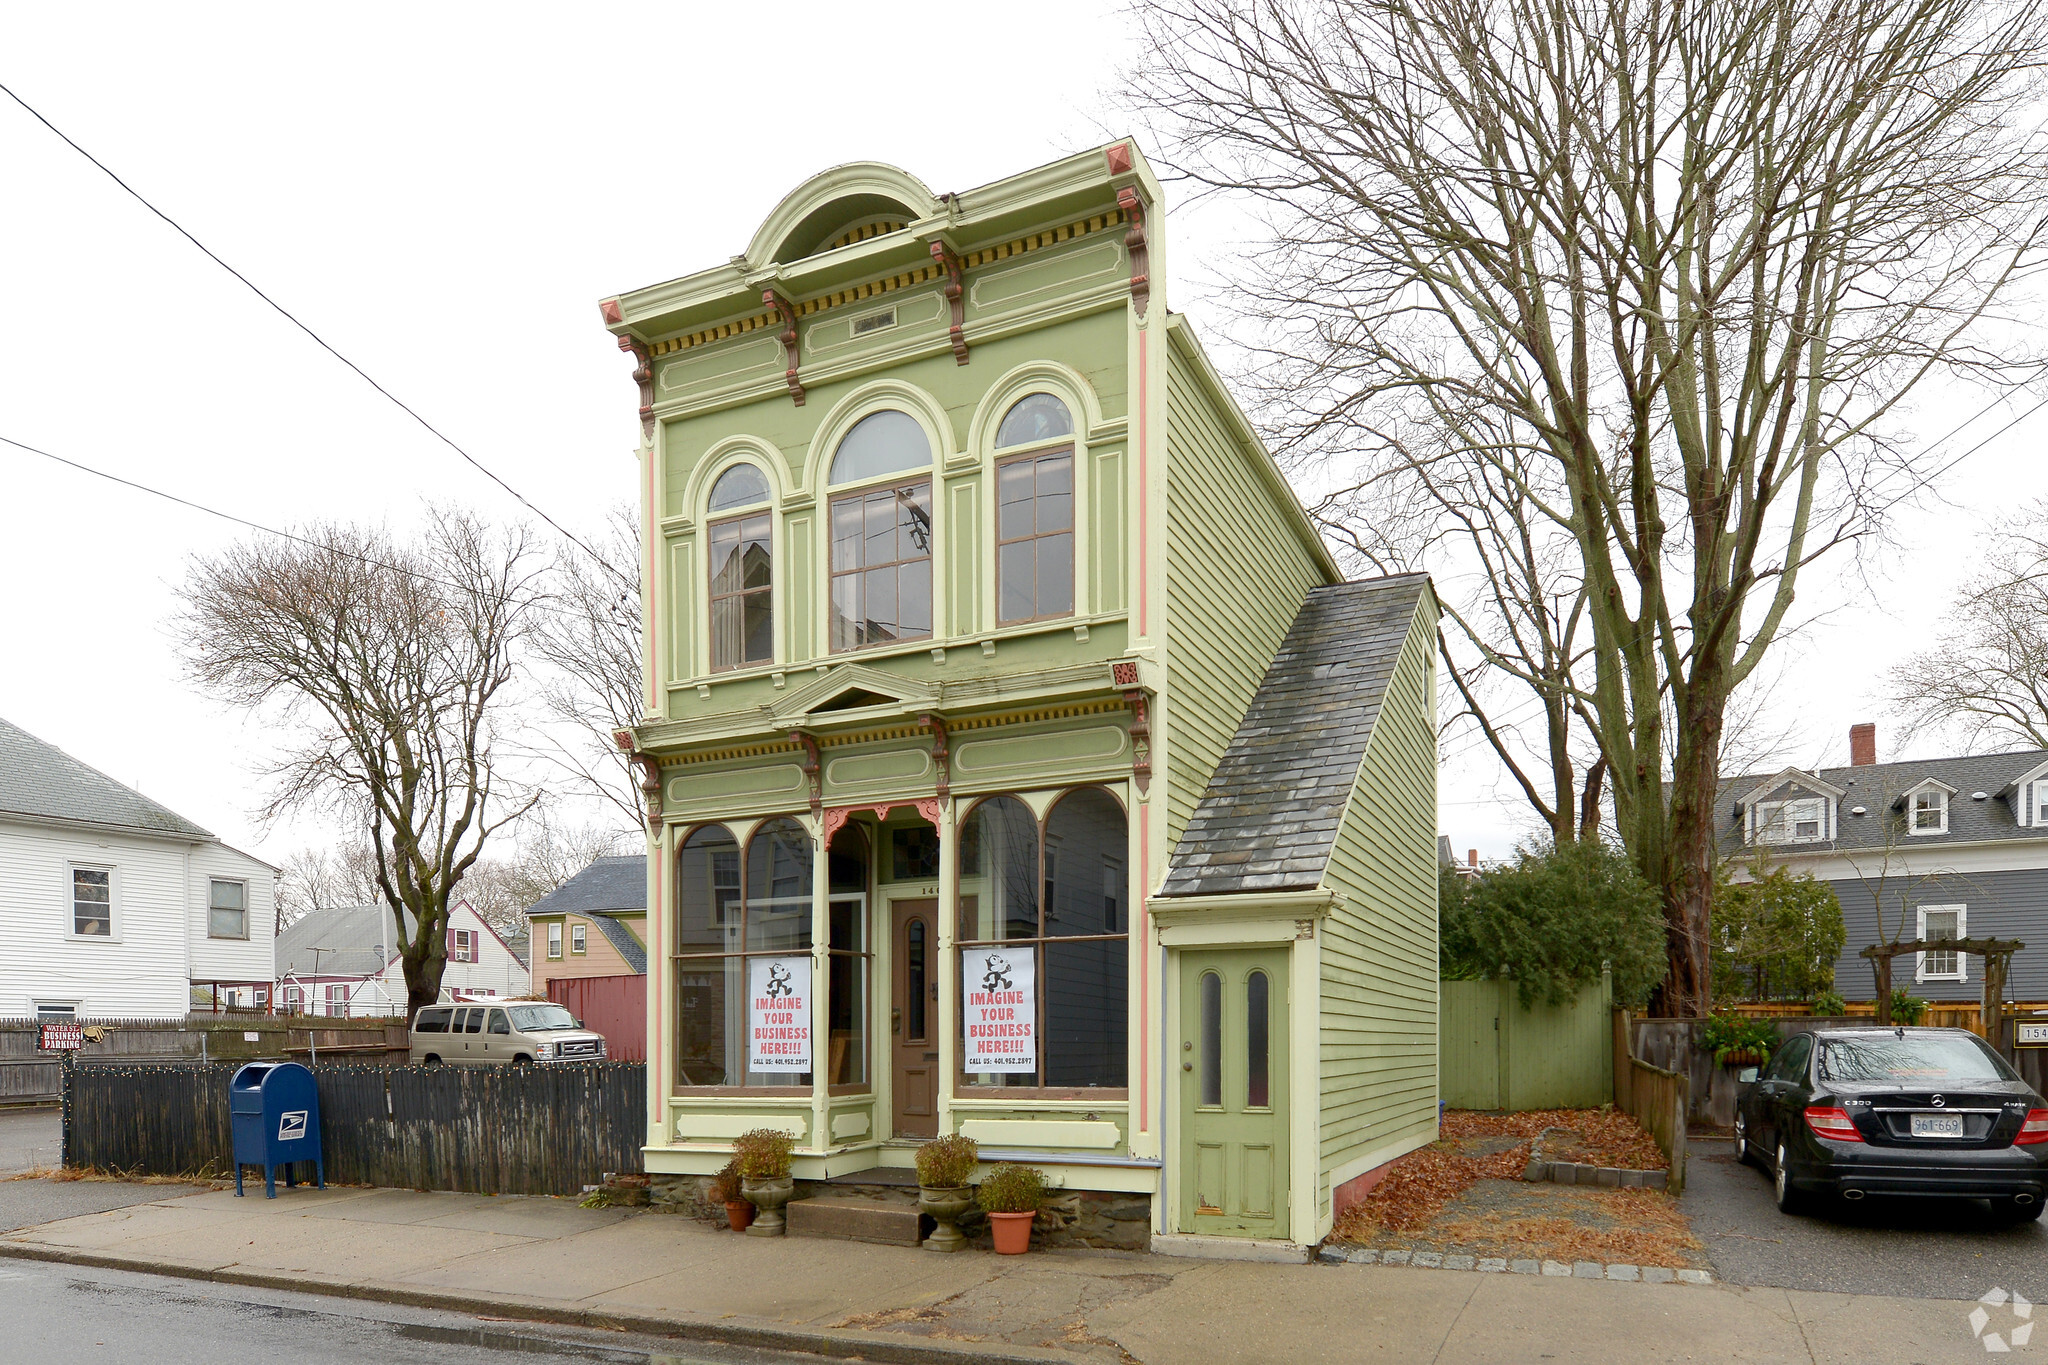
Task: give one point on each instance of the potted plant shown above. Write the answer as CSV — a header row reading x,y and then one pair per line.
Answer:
x,y
763,1157
943,1166
1010,1196
1738,1042
725,1189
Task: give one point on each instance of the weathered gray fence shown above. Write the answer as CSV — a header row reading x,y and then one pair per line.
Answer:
x,y
482,1130
28,1076
1670,1043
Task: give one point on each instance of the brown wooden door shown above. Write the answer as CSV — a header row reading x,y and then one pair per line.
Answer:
x,y
914,1017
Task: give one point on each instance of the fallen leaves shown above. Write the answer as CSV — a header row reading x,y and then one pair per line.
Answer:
x,y
1649,1230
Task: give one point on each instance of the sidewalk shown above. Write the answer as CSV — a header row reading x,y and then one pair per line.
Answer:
x,y
548,1259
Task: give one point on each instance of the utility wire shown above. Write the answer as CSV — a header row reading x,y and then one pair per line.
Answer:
x,y
201,507
288,316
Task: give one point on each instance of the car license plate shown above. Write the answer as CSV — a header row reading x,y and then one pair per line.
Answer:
x,y
1937,1125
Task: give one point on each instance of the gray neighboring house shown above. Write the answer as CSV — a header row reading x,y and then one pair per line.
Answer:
x,y
1941,846
594,924
341,962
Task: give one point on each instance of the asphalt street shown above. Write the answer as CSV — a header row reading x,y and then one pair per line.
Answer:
x,y
30,1138
1908,1248
71,1314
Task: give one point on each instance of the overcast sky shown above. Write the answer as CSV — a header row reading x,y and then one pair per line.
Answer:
x,y
445,192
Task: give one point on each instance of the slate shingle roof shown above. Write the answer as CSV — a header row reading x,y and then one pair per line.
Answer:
x,y
1269,817
348,938
1875,786
40,781
608,886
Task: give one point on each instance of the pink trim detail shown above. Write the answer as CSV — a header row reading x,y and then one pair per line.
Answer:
x,y
836,816
1119,158
610,309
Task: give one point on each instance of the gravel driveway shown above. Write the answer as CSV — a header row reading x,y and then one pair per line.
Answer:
x,y
1910,1248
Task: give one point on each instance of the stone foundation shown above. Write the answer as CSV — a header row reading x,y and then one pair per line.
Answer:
x,y
1107,1219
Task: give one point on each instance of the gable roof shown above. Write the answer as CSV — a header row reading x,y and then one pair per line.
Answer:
x,y
39,781
621,938
609,886
1269,817
1807,780
1877,788
351,940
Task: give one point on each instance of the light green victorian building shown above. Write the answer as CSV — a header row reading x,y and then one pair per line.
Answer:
x,y
1020,764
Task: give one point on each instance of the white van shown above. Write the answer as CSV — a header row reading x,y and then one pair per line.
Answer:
x,y
518,1034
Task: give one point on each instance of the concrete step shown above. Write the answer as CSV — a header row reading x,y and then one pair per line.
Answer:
x,y
853,1219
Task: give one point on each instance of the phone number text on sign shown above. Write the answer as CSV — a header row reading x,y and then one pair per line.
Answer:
x,y
999,990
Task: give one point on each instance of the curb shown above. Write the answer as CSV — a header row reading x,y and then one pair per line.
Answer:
x,y
1541,1167
1500,1265
848,1344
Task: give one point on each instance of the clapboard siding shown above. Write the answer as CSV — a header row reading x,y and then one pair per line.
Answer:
x,y
1379,948
138,972
1236,574
2000,905
219,959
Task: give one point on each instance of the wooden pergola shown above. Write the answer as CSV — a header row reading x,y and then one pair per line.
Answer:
x,y
1996,952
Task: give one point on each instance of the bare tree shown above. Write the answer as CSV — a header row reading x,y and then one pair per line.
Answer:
x,y
1986,678
591,644
381,668
547,854
326,879
1658,273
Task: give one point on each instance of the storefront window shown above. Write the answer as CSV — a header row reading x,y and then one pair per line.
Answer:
x,y
1052,905
849,961
732,935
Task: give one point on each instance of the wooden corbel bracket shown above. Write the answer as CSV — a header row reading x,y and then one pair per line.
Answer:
x,y
791,353
1134,240
647,769
643,375
956,298
941,757
813,772
1139,700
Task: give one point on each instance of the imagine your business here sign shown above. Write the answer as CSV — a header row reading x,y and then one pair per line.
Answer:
x,y
778,1014
1000,991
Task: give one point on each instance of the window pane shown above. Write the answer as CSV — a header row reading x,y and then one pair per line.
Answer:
x,y
846,533
758,623
1941,924
1016,584
1040,417
1056,494
754,552
915,981
914,598
725,557
711,1026
779,888
913,521
1255,1023
1055,575
227,896
728,643
741,486
880,587
913,853
707,893
846,612
1086,1012
880,443
849,1020
1004,886
91,884
1014,496
1211,1044
499,1024
1087,827
227,924
847,867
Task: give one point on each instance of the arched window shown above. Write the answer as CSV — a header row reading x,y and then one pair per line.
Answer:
x,y
1059,899
1035,513
885,442
741,486
740,923
1031,420
882,536
742,574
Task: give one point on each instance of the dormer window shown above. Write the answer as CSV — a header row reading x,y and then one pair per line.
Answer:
x,y
1930,811
1801,821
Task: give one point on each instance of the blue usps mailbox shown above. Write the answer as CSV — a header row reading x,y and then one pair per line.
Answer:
x,y
275,1112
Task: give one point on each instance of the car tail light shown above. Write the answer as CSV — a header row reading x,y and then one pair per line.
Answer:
x,y
1832,1122
2034,1130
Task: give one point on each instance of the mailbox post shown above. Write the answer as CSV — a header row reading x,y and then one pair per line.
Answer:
x,y
274,1110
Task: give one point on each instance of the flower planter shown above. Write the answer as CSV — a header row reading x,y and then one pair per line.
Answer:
x,y
1741,1057
769,1196
945,1204
738,1214
1012,1232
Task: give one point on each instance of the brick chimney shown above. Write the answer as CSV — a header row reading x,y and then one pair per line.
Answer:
x,y
1472,858
1862,745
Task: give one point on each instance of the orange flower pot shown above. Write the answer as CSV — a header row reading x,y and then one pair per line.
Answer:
x,y
1012,1232
739,1213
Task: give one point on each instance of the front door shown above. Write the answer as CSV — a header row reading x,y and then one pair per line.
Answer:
x,y
1233,1088
913,1017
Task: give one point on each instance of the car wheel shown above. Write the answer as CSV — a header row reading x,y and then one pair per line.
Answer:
x,y
431,1061
1742,1154
1790,1200
523,1062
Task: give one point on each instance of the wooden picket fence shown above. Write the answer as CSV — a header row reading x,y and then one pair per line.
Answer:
x,y
481,1130
1967,1014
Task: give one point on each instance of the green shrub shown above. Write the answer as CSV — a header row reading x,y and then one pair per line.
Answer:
x,y
1907,1009
764,1153
1775,936
1723,1034
1827,1004
1550,921
947,1161
725,1186
1010,1188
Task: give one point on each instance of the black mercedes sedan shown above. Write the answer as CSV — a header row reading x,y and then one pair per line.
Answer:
x,y
1895,1111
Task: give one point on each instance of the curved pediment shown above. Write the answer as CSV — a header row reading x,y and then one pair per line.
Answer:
x,y
858,198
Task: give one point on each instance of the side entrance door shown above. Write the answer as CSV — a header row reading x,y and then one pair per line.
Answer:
x,y
913,1017
1233,1088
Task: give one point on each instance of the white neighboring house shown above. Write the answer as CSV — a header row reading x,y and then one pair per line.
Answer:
x,y
341,962
112,906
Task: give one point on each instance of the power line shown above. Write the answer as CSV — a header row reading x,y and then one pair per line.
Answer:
x,y
270,530
288,316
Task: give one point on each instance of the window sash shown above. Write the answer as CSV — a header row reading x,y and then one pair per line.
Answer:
x,y
555,941
881,557
1930,812
1936,923
1035,536
1797,821
92,902
579,938
741,557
